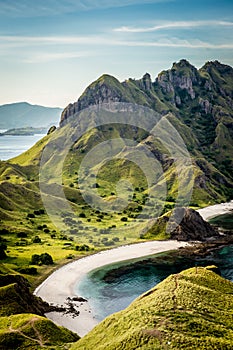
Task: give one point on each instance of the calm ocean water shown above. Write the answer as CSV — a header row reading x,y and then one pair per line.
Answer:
x,y
12,146
109,297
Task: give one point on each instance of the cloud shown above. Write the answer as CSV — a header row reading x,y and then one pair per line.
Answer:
x,y
174,25
50,57
100,41
27,8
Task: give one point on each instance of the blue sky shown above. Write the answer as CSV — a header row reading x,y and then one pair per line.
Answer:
x,y
50,50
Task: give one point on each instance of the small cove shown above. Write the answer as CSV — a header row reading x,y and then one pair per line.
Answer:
x,y
113,287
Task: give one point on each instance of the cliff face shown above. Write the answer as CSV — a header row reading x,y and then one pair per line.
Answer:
x,y
181,78
200,103
192,226
106,89
201,99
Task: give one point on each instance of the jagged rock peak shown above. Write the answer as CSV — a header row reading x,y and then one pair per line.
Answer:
x,y
192,226
183,63
145,82
223,69
182,76
216,64
104,90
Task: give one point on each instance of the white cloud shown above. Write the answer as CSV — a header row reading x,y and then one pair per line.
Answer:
x,y
49,57
27,8
174,25
30,42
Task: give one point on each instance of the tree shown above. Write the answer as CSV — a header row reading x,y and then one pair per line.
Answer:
x,y
35,260
43,259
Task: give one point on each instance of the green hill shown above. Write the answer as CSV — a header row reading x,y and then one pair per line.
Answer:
x,y
197,103
29,331
190,310
22,325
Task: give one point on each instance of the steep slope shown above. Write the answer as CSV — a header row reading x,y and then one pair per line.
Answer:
x,y
22,114
201,106
198,103
29,331
190,310
21,318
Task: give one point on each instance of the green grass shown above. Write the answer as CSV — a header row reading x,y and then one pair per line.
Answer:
x,y
190,310
28,331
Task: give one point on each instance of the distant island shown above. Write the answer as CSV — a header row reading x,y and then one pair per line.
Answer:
x,y
27,131
23,115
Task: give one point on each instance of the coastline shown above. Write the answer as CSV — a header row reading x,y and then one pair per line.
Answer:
x,y
60,285
216,210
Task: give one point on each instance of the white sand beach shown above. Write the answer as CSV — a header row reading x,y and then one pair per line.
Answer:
x,y
215,210
61,284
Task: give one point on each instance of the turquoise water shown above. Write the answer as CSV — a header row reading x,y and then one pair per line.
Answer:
x,y
116,293
225,221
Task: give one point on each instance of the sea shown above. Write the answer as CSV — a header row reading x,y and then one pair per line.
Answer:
x,y
12,146
116,293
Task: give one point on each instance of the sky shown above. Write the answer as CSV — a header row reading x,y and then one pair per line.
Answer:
x,y
51,50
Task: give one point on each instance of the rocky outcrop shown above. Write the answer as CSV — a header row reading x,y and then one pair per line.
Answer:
x,y
145,83
16,297
192,227
182,77
105,90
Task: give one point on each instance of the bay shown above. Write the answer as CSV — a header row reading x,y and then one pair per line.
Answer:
x,y
132,278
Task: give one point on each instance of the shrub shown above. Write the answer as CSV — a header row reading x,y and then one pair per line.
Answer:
x,y
21,234
124,218
36,239
28,270
4,231
43,259
35,259
83,247
46,259
3,247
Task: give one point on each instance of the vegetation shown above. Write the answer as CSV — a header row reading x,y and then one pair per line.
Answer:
x,y
190,310
30,331
31,244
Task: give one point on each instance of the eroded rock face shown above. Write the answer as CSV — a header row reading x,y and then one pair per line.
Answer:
x,y
182,76
192,227
105,90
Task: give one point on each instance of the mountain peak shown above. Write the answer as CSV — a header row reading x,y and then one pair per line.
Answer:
x,y
104,90
182,64
216,65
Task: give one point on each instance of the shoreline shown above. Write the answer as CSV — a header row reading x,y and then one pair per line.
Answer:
x,y
216,210
60,285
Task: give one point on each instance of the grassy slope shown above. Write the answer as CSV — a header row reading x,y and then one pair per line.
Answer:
x,y
190,310
29,331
